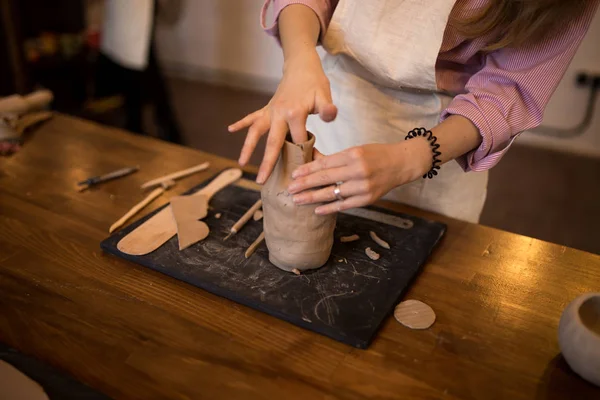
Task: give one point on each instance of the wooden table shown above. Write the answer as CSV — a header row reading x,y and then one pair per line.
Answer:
x,y
133,333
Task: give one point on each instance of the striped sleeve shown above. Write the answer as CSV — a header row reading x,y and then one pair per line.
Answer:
x,y
509,94
323,9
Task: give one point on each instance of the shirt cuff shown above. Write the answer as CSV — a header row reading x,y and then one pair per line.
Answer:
x,y
496,134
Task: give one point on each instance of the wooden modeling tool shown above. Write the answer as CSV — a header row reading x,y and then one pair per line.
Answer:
x,y
161,227
176,175
252,248
139,206
187,212
245,218
83,185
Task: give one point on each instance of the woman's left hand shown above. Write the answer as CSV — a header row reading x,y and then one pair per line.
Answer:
x,y
366,174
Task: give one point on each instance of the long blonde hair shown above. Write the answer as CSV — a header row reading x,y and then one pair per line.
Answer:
x,y
513,23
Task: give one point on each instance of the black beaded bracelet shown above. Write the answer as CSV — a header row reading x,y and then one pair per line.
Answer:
x,y
434,148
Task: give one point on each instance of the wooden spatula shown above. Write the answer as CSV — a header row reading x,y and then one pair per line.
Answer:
x,y
157,230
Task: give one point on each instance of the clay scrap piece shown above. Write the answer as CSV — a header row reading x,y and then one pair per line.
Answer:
x,y
296,271
351,238
295,235
218,215
373,255
258,215
187,210
414,314
379,240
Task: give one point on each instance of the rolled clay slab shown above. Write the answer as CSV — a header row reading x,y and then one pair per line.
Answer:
x,y
296,237
414,314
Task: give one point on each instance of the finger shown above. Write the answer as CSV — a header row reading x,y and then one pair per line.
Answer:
x,y
325,107
274,143
321,178
325,162
244,122
337,206
256,131
317,154
297,123
327,194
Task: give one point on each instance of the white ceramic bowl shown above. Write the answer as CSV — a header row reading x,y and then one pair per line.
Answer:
x,y
579,336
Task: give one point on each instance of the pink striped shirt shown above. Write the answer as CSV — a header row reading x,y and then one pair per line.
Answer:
x,y
503,92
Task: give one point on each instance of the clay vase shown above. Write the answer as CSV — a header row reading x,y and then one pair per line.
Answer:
x,y
579,336
296,237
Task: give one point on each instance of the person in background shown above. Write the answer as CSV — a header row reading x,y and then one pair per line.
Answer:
x,y
127,64
472,74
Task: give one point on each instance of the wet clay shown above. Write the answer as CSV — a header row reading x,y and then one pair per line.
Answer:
x,y
296,237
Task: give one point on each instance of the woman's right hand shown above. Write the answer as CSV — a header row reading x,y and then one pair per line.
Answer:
x,y
303,90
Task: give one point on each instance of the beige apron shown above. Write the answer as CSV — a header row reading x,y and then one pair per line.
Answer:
x,y
380,60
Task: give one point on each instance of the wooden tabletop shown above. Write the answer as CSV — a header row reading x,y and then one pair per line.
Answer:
x,y
133,333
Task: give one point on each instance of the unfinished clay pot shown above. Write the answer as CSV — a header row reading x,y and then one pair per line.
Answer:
x,y
296,237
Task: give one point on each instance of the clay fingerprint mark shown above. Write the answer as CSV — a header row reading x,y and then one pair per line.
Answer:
x,y
329,306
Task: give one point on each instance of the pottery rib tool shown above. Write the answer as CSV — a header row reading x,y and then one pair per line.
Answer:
x,y
106,177
187,212
161,227
139,206
245,218
176,175
252,248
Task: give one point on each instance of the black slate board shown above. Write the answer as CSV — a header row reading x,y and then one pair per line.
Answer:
x,y
345,300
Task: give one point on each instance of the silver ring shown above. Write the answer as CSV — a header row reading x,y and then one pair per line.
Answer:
x,y
337,192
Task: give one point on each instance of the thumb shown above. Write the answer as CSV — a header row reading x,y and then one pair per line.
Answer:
x,y
324,106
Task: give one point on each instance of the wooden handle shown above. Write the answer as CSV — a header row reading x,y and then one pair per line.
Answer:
x,y
252,248
38,99
135,209
157,230
176,175
224,179
246,217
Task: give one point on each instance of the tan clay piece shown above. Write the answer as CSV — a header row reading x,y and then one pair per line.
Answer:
x,y
157,230
414,314
373,255
379,240
187,210
16,385
296,237
258,215
296,271
218,215
252,248
351,238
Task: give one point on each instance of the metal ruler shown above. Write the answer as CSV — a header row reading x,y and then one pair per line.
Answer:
x,y
380,217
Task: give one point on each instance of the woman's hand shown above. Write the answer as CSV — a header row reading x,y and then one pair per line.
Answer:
x,y
367,173
303,90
